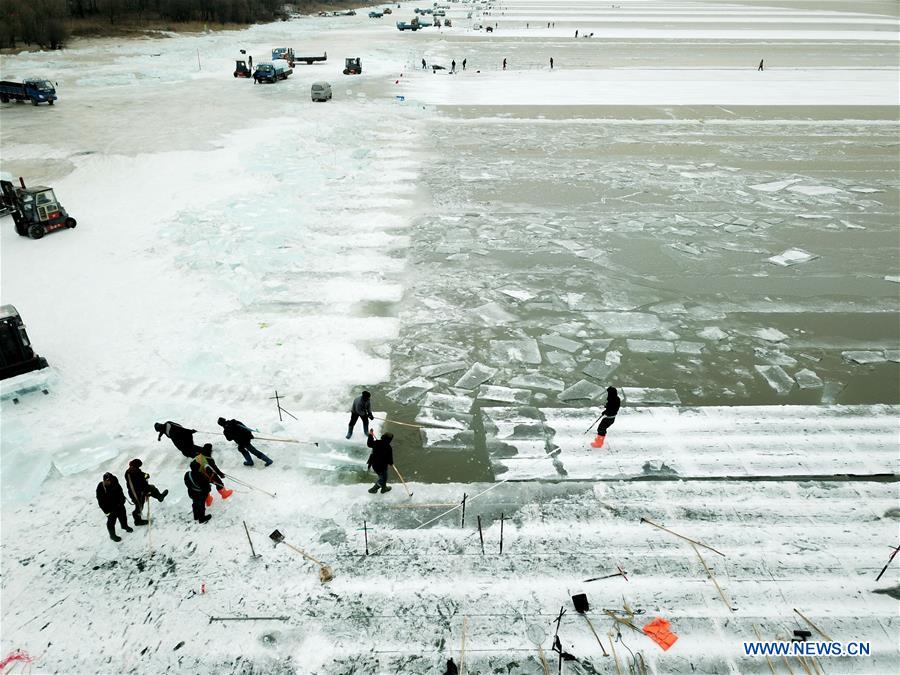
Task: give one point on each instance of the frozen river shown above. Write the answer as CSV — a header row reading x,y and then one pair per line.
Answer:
x,y
485,251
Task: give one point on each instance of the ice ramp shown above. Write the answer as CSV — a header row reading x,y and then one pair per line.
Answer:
x,y
84,455
740,442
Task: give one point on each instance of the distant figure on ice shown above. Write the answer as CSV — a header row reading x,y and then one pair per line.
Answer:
x,y
381,457
361,409
181,438
213,472
760,65
424,65
464,64
140,489
551,63
613,403
198,487
236,431
576,32
504,64
112,502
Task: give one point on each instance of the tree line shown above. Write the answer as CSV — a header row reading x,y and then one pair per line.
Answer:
x,y
48,23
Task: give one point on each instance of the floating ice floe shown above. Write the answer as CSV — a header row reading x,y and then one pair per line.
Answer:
x,y
411,391
537,381
686,248
775,358
713,333
525,350
492,313
599,370
561,342
447,419
807,379
792,256
895,279
448,439
651,395
687,347
813,190
775,186
438,369
582,390
650,346
504,394
517,294
776,378
475,375
770,334
863,356
625,323
892,355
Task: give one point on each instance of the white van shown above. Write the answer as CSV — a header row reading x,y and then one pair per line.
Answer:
x,y
321,91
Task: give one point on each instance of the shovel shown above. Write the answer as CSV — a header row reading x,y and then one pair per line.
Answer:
x,y
325,573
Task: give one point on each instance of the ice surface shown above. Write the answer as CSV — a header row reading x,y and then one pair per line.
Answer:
x,y
525,350
650,346
475,375
582,390
793,256
411,391
807,379
438,369
561,343
84,455
777,378
863,356
504,394
452,402
537,381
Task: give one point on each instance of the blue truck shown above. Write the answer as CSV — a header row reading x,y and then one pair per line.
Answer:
x,y
34,90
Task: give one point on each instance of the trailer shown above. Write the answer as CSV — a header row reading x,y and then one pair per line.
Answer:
x,y
272,72
309,60
33,89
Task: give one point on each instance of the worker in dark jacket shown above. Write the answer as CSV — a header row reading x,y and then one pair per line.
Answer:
x,y
112,502
198,487
213,473
613,403
181,438
236,431
381,457
361,409
140,489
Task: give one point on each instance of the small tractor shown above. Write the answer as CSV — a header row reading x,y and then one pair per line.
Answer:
x,y
16,355
353,66
35,210
241,69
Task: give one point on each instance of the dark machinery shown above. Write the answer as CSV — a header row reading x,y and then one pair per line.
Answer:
x,y
16,355
241,69
35,210
353,66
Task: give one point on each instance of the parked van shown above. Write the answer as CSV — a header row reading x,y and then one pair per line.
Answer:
x,y
321,91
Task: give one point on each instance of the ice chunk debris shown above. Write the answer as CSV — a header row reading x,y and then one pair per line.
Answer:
x,y
582,390
525,350
452,402
438,369
775,186
625,323
651,346
475,375
561,342
863,356
713,333
598,370
492,313
777,378
813,190
504,394
793,256
770,334
537,381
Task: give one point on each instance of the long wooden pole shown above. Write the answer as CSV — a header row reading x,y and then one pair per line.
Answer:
x,y
681,536
462,649
713,579
812,625
248,538
402,424
400,476
612,646
591,626
759,637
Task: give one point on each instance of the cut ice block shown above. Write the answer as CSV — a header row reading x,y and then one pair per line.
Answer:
x,y
775,186
561,342
448,439
651,395
475,375
492,313
504,394
793,256
770,334
813,190
600,370
438,369
807,379
625,323
447,419
892,355
517,294
686,347
774,357
650,346
777,378
713,333
582,390
525,350
537,381
84,455
863,356
411,391
452,402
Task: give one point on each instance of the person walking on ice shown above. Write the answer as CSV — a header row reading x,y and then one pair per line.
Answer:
x,y
140,489
613,403
213,472
504,64
551,63
424,65
464,64
240,433
760,65
361,409
198,488
381,457
112,502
